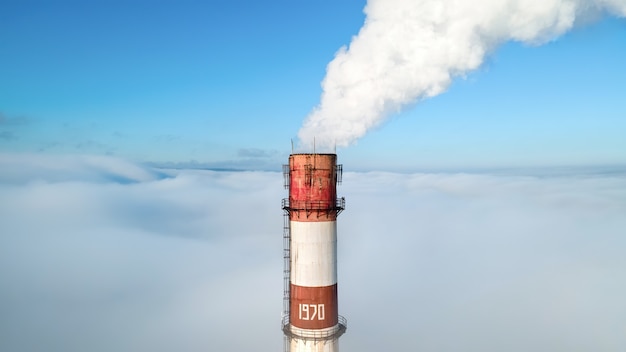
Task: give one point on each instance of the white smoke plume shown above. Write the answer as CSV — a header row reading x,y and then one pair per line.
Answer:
x,y
409,50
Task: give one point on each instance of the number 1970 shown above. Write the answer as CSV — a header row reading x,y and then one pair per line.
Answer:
x,y
311,311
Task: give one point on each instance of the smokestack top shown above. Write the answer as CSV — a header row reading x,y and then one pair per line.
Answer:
x,y
330,154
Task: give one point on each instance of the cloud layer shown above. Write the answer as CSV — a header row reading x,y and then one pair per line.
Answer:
x,y
409,50
191,260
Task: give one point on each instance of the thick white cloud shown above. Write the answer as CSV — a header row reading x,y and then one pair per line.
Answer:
x,y
476,262
191,260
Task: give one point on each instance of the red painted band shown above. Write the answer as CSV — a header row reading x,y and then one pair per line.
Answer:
x,y
312,187
313,307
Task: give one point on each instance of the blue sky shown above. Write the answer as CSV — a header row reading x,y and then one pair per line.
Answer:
x,y
228,84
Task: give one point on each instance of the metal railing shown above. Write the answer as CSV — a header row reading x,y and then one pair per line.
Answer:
x,y
315,335
321,205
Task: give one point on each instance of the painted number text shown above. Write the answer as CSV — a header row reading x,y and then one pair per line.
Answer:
x,y
311,312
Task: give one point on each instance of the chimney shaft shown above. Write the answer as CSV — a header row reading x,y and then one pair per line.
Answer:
x,y
311,321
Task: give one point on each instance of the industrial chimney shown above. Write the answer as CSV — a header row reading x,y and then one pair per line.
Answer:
x,y
311,321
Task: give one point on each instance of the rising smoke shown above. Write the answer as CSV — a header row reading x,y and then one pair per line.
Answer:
x,y
409,50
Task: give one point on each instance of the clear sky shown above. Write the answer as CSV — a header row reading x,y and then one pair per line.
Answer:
x,y
229,83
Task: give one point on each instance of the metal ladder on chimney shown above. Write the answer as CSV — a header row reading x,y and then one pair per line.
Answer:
x,y
286,274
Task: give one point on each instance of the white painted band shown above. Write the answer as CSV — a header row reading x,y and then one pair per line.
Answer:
x,y
313,253
301,345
